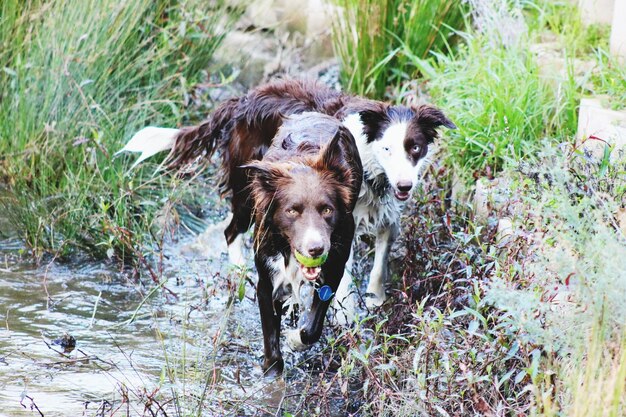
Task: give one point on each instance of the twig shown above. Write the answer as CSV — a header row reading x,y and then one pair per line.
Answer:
x,y
95,307
32,404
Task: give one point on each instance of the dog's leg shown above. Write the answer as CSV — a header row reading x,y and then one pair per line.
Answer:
x,y
345,301
375,294
271,312
240,223
311,330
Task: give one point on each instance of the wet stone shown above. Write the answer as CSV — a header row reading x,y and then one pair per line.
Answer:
x,y
67,342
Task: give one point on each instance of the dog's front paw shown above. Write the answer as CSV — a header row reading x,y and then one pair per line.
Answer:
x,y
273,367
373,301
295,341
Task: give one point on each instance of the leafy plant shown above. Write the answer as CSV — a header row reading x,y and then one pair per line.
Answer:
x,y
377,41
502,105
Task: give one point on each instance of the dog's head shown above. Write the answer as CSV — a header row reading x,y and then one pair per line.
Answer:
x,y
304,200
399,137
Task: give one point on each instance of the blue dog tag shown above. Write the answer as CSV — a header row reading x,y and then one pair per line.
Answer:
x,y
325,293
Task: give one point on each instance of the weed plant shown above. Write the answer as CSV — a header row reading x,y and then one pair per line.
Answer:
x,y
78,78
377,41
568,296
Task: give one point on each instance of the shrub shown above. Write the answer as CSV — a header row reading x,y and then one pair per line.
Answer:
x,y
78,79
567,297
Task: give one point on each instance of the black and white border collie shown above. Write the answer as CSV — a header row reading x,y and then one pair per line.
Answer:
x,y
392,143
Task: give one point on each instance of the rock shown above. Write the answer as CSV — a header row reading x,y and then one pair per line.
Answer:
x,y
490,195
599,126
618,31
277,37
67,342
554,67
596,11
620,216
253,53
504,230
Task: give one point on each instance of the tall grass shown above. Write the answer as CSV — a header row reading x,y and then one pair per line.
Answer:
x,y
501,104
377,41
78,79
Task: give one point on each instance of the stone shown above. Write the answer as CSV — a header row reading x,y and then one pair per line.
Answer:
x,y
504,230
490,195
618,30
599,126
620,216
596,11
554,66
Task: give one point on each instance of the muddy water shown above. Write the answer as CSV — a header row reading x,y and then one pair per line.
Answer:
x,y
139,351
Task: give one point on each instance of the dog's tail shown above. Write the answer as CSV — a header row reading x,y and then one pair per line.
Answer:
x,y
188,144
199,143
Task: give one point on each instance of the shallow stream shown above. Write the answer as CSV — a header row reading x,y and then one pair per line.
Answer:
x,y
141,349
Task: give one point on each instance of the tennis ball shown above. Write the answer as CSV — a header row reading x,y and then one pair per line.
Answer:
x,y
311,262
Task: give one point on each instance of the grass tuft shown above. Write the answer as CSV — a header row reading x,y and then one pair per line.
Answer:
x,y
377,42
78,79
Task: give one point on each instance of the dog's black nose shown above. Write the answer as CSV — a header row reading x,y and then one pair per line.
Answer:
x,y
404,186
316,251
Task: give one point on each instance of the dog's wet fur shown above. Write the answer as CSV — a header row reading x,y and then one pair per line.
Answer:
x,y
392,141
268,170
303,192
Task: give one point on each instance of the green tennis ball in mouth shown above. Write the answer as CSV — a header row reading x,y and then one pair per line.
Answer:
x,y
311,262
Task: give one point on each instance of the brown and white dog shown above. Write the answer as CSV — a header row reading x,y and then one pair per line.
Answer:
x,y
300,190
303,192
392,142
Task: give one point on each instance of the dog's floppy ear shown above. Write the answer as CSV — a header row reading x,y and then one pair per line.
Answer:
x,y
341,157
261,172
431,117
372,122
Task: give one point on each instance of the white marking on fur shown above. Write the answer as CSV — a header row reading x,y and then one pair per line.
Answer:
x,y
294,340
235,252
379,270
371,211
312,237
345,300
392,157
284,276
150,141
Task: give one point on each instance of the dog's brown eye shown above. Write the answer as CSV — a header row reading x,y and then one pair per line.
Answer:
x,y
292,212
416,148
327,211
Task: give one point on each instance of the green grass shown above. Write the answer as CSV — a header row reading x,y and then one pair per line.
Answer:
x,y
562,18
609,80
77,79
501,104
377,41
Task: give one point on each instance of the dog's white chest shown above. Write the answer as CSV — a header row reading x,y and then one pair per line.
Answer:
x,y
373,212
287,281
